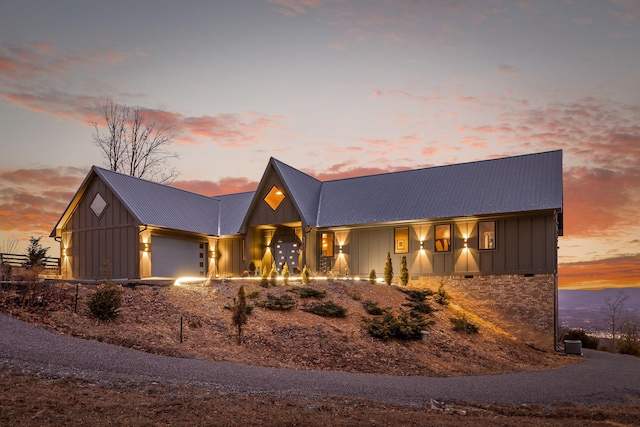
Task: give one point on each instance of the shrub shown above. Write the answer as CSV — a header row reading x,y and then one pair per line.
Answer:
x,y
264,279
388,270
252,293
588,341
273,274
404,272
462,324
372,277
441,296
405,326
326,309
419,307
283,303
305,276
285,273
373,308
106,301
308,292
417,295
239,316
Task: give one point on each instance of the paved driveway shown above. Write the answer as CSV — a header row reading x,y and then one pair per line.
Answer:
x,y
601,378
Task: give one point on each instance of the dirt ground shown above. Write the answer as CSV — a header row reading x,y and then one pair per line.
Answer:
x,y
150,320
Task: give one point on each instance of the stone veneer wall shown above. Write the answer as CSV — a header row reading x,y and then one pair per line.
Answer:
x,y
522,306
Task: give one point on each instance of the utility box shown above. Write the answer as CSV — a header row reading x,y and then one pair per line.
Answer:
x,y
573,347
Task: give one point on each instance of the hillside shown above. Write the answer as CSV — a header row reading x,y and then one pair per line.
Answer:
x,y
586,308
150,319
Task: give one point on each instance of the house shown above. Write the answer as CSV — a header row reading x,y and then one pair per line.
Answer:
x,y
488,230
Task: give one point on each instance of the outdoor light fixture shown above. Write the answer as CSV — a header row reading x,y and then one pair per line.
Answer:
x,y
146,247
340,248
64,252
465,243
422,245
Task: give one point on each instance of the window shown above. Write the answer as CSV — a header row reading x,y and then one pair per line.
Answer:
x,y
487,235
443,238
274,198
401,239
326,243
98,205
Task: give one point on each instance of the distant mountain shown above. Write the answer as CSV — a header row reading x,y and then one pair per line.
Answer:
x,y
587,310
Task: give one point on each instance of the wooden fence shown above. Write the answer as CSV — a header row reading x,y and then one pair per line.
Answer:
x,y
51,264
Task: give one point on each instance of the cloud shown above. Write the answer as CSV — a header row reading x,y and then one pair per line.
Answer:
x,y
32,200
623,270
509,69
292,8
224,186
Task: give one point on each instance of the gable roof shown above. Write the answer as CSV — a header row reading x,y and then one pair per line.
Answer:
x,y
154,204
530,182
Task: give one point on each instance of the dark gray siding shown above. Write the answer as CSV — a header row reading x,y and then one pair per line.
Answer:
x,y
525,245
92,241
229,256
262,214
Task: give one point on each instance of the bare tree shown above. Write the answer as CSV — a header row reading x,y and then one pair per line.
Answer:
x,y
613,310
133,144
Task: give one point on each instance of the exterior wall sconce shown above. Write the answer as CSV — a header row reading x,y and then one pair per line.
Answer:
x,y
213,253
146,247
340,248
64,252
422,245
466,243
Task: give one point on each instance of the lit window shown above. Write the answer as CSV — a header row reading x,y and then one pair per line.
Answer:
x,y
327,244
487,235
274,198
443,238
401,240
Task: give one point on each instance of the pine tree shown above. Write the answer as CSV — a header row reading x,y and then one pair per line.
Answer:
x,y
305,276
285,273
36,254
388,270
273,274
239,316
404,272
372,277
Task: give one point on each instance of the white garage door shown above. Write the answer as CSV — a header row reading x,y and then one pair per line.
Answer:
x,y
177,257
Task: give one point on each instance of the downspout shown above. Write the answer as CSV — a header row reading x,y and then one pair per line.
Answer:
x,y
555,285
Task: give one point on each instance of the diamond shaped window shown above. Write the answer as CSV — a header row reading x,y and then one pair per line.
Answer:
x,y
274,198
98,205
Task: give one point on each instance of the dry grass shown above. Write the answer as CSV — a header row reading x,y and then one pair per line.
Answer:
x,y
150,321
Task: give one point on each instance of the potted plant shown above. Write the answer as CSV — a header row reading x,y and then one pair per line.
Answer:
x,y
252,268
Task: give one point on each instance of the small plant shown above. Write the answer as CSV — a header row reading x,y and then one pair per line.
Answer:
x,y
462,324
252,293
264,280
372,308
273,274
308,292
36,254
283,303
326,309
252,268
388,270
405,326
106,301
305,276
441,296
588,341
372,277
419,307
285,273
404,272
239,316
416,294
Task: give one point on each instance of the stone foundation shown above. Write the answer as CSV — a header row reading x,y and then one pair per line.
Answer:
x,y
522,306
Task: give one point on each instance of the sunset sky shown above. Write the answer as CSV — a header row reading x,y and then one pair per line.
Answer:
x,y
335,89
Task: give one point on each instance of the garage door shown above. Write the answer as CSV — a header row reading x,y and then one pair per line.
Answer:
x,y
177,257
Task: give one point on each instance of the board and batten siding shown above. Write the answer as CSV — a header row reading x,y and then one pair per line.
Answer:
x,y
92,242
229,256
262,214
525,244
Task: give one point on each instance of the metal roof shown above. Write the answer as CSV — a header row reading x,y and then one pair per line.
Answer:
x,y
163,206
304,189
530,182
233,208
507,185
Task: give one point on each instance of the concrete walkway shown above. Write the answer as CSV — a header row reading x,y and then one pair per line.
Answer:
x,y
601,378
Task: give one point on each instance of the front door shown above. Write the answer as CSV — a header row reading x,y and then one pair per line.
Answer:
x,y
287,253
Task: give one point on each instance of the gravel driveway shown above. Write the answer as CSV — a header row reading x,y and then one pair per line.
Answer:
x,y
601,378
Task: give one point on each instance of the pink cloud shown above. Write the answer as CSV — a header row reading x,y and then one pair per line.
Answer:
x,y
623,270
